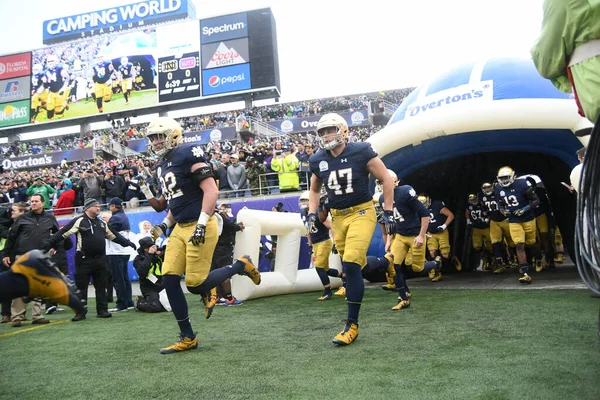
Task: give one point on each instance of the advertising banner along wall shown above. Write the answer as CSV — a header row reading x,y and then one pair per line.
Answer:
x,y
306,124
48,159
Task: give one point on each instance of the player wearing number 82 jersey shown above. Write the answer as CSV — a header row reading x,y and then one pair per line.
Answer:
x,y
344,170
190,192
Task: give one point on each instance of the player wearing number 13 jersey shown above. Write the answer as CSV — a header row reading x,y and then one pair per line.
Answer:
x,y
516,200
190,193
344,170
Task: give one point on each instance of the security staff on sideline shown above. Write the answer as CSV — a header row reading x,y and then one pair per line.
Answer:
x,y
90,258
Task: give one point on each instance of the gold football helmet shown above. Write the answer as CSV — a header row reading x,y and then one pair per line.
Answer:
x,y
303,200
473,199
332,120
487,188
426,200
52,61
506,176
164,134
379,184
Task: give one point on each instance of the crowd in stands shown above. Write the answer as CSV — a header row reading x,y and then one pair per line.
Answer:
x,y
278,165
201,122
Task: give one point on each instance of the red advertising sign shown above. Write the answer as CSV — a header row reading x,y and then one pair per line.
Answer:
x,y
15,65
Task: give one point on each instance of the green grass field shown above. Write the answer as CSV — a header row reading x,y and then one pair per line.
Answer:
x,y
82,108
450,344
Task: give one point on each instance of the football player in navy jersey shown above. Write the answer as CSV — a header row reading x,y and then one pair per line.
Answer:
x,y
103,71
39,92
476,215
126,70
344,169
57,81
440,217
321,243
190,193
390,274
516,200
411,222
544,221
499,229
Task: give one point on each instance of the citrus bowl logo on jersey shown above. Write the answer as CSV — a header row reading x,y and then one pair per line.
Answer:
x,y
323,166
214,81
287,126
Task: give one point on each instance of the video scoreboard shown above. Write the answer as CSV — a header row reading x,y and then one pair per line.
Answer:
x,y
148,67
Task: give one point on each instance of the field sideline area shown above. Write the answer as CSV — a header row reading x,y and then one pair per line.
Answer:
x,y
450,344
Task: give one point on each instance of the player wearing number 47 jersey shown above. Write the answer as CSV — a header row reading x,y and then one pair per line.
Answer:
x,y
517,200
190,193
344,169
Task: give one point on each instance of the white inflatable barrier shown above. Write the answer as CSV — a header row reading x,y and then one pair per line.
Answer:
x,y
286,278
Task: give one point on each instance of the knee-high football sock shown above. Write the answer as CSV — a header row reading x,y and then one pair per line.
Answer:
x,y
334,272
429,265
323,276
178,304
216,276
400,282
355,290
12,286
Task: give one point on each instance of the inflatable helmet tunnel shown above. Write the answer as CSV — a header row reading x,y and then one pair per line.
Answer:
x,y
455,131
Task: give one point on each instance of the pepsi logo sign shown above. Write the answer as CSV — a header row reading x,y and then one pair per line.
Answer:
x,y
214,81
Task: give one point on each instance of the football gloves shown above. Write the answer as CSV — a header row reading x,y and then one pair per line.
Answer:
x,y
522,211
159,230
441,228
199,235
388,221
311,220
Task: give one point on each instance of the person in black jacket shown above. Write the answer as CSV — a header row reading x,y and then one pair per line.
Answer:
x,y
113,185
90,257
148,264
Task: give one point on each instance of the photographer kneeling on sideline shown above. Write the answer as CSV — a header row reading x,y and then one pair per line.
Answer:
x,y
148,264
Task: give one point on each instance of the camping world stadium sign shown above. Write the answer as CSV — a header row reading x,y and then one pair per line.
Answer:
x,y
143,13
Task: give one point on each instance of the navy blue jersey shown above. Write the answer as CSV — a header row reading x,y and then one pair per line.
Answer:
x,y
493,210
408,211
345,177
37,81
478,215
126,70
183,195
436,218
54,78
102,71
319,232
514,197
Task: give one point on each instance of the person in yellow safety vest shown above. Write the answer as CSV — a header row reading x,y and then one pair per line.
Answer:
x,y
286,164
148,264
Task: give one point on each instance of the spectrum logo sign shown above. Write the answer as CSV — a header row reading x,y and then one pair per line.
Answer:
x,y
227,79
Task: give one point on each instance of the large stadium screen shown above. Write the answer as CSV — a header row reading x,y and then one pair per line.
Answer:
x,y
141,69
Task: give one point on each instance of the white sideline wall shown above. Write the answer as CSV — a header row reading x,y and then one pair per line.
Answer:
x,y
286,278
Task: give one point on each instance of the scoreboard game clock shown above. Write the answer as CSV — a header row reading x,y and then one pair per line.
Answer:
x,y
179,77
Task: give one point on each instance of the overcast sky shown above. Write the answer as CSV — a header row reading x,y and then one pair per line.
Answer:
x,y
331,47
